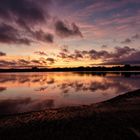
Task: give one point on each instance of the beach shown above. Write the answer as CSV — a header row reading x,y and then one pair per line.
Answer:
x,y
115,119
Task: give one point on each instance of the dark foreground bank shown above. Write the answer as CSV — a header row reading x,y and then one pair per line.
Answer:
x,y
115,119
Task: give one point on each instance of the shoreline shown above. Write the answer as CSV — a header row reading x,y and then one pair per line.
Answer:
x,y
120,115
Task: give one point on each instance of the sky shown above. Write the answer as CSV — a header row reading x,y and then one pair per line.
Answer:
x,y
69,33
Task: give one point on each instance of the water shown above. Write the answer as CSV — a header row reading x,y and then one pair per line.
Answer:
x,y
25,92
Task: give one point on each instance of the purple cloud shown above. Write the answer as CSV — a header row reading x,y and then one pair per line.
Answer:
x,y
11,35
63,29
24,16
120,55
41,53
126,41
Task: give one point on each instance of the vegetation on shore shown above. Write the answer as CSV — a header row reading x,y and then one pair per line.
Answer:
x,y
125,68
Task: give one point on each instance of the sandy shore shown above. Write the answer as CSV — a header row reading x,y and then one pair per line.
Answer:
x,y
115,119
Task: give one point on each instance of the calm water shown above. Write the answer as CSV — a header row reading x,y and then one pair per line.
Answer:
x,y
23,92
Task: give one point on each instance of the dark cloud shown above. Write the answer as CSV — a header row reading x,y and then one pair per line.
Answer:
x,y
51,60
63,55
124,56
36,62
29,11
9,34
131,39
41,53
5,63
64,29
65,49
122,51
39,62
136,36
66,54
78,54
38,35
104,46
120,55
45,37
93,54
119,52
121,62
2,54
126,41
25,16
22,63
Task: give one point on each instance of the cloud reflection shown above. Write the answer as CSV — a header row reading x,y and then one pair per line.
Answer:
x,y
2,89
11,106
41,90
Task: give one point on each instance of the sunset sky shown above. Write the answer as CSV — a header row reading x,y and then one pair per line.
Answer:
x,y
69,33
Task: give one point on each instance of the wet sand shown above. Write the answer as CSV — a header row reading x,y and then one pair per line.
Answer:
x,y
115,119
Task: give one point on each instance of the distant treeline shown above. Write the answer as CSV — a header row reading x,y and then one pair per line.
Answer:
x,y
36,69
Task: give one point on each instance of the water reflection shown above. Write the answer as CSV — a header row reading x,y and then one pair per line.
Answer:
x,y
23,92
23,105
2,89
